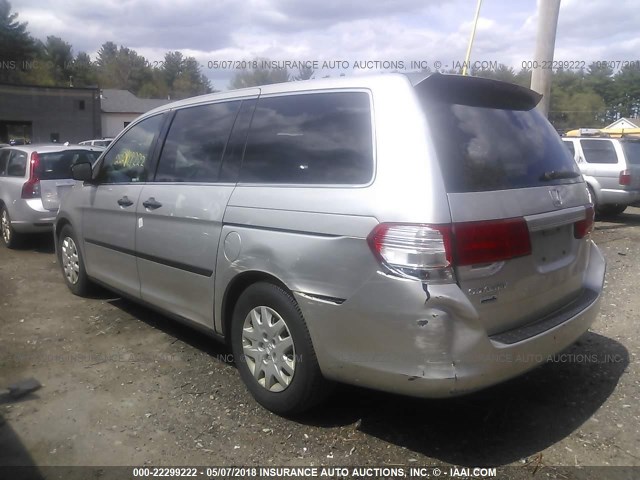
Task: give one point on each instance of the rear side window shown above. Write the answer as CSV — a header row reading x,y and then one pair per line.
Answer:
x,y
483,149
599,151
570,147
320,138
631,151
17,164
196,141
57,165
4,160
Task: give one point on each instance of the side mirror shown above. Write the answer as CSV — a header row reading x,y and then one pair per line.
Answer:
x,y
82,171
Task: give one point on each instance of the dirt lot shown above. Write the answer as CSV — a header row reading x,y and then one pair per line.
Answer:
x,y
125,386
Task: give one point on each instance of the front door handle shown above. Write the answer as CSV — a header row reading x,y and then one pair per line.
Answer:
x,y
151,203
125,202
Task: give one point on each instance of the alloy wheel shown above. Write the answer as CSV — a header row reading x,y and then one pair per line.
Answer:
x,y
6,227
70,260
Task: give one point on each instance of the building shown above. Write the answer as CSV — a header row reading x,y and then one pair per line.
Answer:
x,y
624,123
121,107
33,114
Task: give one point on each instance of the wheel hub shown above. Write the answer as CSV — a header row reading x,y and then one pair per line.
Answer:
x,y
70,260
268,349
6,227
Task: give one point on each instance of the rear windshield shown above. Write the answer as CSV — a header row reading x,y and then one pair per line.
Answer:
x,y
632,151
57,165
482,149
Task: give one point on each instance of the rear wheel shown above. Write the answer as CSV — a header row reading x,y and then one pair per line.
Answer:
x,y
273,351
10,237
592,196
72,263
612,210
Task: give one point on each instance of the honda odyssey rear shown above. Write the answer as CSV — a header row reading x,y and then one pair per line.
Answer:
x,y
428,238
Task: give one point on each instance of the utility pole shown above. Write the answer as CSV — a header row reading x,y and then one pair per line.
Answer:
x,y
548,11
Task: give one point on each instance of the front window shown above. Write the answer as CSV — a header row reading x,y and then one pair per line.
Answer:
x,y
128,159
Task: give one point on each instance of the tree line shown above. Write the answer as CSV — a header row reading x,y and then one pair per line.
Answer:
x,y
593,96
30,61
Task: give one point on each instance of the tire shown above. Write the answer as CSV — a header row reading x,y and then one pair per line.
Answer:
x,y
612,210
10,238
287,381
72,263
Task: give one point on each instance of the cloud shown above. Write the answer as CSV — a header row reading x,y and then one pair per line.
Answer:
x,y
330,29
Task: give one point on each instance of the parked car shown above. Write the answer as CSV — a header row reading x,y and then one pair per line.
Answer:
x,y
611,168
32,178
429,238
101,142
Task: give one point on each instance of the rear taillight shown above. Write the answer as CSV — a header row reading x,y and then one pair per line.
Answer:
x,y
422,252
491,241
429,252
625,177
31,188
584,227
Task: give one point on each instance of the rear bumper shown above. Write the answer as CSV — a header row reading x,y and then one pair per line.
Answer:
x,y
390,337
29,216
619,197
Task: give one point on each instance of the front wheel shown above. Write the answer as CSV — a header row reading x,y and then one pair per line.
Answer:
x,y
72,263
273,351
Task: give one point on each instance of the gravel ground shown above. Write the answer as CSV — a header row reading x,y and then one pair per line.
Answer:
x,y
126,386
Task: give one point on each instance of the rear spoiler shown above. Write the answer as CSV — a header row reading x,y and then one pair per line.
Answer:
x,y
474,91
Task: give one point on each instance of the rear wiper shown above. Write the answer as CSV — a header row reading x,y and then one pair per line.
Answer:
x,y
557,175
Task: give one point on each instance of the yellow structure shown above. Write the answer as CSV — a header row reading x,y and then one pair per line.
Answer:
x,y
603,132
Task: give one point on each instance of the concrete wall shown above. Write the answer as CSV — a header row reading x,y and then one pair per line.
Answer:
x,y
113,123
52,110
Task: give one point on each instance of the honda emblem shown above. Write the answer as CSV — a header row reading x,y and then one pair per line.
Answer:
x,y
556,197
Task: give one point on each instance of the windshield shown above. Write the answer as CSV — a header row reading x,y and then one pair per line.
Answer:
x,y
483,149
632,151
57,165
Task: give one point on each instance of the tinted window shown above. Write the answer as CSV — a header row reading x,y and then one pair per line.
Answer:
x,y
57,165
4,160
235,146
128,158
483,149
322,138
631,151
17,164
599,151
570,147
196,141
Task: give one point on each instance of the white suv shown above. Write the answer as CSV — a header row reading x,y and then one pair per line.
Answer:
x,y
611,168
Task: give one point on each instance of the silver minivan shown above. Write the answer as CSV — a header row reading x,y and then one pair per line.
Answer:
x,y
427,237
611,168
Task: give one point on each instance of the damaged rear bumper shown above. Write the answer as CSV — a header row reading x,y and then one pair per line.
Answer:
x,y
392,336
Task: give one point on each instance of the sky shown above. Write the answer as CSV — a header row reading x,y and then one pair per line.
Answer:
x,y
349,31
